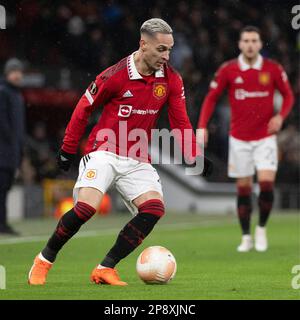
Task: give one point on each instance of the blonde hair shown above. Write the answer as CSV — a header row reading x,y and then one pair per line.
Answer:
x,y
155,25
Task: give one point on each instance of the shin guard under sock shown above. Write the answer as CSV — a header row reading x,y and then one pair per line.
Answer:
x,y
67,226
265,201
134,232
244,207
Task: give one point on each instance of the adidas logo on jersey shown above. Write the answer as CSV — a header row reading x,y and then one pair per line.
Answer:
x,y
239,80
127,94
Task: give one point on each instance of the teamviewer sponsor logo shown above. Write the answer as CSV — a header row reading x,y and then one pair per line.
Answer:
x,y
241,94
124,111
144,112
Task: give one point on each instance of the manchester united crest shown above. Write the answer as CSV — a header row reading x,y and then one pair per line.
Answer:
x,y
264,78
159,90
91,174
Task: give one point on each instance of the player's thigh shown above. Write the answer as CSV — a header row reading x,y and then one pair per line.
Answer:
x,y
139,184
266,175
240,159
150,195
90,196
96,175
266,156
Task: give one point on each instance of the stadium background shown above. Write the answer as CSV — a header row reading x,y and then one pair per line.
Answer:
x,y
66,44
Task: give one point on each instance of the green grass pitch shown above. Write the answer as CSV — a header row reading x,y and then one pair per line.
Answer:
x,y
204,246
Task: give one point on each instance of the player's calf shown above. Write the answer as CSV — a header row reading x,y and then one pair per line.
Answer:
x,y
133,233
265,201
66,228
244,207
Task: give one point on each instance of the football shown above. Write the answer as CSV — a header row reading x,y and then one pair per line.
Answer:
x,y
156,265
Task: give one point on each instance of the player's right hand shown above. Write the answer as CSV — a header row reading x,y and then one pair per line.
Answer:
x,y
64,160
275,124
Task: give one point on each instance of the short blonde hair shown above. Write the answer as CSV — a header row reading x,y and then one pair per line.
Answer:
x,y
155,25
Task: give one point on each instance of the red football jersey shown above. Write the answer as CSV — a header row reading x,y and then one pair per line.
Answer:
x,y
251,94
134,100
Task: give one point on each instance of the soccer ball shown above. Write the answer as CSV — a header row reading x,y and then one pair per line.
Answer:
x,y
156,265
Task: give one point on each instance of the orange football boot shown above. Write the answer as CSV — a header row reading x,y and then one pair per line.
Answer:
x,y
107,276
38,272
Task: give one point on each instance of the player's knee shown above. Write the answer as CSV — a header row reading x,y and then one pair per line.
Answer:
x,y
244,191
266,186
154,207
266,191
72,220
150,195
84,211
90,196
244,198
245,182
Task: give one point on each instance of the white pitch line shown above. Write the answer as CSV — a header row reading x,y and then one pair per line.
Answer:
x,y
111,231
82,234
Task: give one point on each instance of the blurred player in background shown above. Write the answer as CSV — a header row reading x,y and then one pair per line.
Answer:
x,y
12,134
251,81
132,91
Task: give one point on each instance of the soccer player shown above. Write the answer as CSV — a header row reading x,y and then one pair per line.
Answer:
x,y
133,92
251,81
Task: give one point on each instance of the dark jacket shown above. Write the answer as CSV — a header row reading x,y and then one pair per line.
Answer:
x,y
12,126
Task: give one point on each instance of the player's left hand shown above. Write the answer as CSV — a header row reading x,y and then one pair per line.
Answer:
x,y
275,124
64,160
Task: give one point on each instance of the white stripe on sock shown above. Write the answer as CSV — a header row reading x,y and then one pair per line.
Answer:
x,y
43,258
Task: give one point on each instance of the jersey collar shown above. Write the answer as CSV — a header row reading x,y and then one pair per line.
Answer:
x,y
134,74
244,66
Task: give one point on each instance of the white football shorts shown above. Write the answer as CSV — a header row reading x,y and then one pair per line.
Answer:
x,y
102,169
246,156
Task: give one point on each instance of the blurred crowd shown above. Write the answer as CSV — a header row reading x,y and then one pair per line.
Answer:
x,y
92,35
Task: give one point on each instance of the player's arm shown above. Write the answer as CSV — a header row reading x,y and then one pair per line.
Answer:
x,y
179,120
95,95
217,86
283,85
